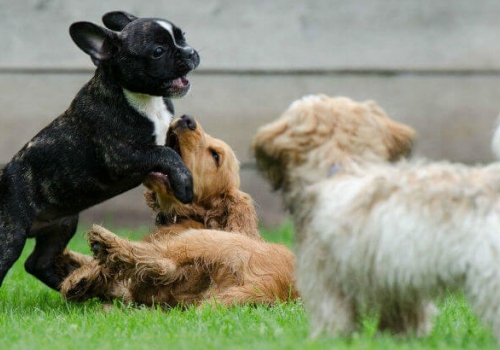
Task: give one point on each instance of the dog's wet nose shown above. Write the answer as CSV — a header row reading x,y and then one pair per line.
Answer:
x,y
188,51
189,121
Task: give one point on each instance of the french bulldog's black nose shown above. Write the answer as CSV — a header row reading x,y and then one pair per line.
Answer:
x,y
188,52
188,121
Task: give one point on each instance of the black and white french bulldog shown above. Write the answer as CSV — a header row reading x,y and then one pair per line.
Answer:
x,y
106,142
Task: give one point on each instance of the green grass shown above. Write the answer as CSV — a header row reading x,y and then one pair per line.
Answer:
x,y
34,317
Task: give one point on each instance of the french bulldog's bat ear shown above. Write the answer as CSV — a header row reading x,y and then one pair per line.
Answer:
x,y
117,20
90,38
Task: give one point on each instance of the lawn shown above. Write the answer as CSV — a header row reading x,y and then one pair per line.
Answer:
x,y
34,317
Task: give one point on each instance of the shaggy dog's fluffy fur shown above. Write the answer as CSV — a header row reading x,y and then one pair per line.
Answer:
x,y
387,236
186,261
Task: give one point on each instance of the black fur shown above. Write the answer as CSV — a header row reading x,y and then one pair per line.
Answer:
x,y
98,148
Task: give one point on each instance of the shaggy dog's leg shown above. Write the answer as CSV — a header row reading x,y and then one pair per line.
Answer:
x,y
334,313
482,286
414,319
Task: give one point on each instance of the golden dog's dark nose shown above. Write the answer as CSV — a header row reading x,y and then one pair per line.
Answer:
x,y
188,122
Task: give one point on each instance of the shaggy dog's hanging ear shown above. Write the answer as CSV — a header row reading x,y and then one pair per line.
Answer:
x,y
270,166
400,142
270,159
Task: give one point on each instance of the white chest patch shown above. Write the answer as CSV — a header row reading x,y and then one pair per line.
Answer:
x,y
153,108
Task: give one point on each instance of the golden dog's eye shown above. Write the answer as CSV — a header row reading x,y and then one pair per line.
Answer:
x,y
215,156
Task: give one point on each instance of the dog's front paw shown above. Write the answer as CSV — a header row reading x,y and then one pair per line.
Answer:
x,y
111,251
101,241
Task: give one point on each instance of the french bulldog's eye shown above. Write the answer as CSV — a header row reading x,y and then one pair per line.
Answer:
x,y
215,156
158,52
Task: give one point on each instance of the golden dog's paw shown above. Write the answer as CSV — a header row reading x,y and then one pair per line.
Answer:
x,y
110,250
89,281
101,241
75,289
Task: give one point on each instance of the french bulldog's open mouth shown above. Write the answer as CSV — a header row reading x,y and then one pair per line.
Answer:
x,y
181,82
179,87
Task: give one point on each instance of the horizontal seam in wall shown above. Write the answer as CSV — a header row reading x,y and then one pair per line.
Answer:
x,y
283,72
249,165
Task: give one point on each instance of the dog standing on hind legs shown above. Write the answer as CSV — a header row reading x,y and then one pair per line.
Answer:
x,y
375,232
104,144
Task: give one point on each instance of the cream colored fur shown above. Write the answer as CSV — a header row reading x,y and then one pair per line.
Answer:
x,y
390,237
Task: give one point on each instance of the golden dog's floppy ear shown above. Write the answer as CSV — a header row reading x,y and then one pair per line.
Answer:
x,y
237,213
241,214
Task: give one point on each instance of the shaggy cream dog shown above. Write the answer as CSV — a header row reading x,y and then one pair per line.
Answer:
x,y
389,237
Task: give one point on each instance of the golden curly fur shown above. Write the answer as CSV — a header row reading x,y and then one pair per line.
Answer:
x,y
209,250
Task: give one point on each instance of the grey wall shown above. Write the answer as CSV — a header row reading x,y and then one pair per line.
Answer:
x,y
432,64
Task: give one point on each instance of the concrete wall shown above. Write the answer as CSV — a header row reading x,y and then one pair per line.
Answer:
x,y
432,64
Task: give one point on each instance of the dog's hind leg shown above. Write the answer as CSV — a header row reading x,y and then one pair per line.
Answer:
x,y
93,280
51,241
333,313
141,259
412,319
482,286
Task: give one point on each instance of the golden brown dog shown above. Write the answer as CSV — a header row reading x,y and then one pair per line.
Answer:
x,y
209,250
